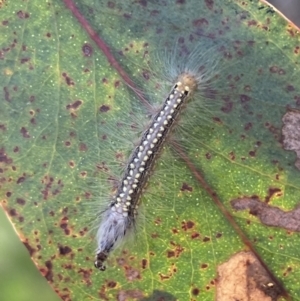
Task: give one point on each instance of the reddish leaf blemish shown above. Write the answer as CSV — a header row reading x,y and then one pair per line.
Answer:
x,y
74,105
68,80
83,147
227,107
104,108
49,274
87,50
248,126
24,60
22,15
209,4
12,212
186,187
208,156
195,235
144,263
218,235
200,22
273,192
232,156
252,153
187,225
29,248
64,250
111,284
24,132
290,88
4,158
6,94
21,201
20,180
111,4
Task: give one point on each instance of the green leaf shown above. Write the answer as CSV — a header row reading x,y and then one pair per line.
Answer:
x,y
228,195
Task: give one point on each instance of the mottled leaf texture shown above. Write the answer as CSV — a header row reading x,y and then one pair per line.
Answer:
x,y
222,222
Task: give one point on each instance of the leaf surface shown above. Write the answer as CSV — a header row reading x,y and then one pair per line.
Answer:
x,y
58,89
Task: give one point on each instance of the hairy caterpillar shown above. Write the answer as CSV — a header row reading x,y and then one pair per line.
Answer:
x,y
119,217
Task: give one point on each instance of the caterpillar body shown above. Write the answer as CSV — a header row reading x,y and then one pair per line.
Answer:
x,y
119,217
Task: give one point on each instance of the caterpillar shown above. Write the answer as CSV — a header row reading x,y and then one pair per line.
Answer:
x,y
119,217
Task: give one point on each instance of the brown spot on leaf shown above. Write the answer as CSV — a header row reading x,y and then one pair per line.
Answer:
x,y
6,94
232,155
248,126
195,235
248,279
87,49
206,239
21,201
111,284
2,127
186,225
227,107
4,158
195,291
20,180
22,15
132,274
64,250
274,69
200,22
83,147
133,294
24,60
51,187
24,132
244,98
144,263
29,248
209,4
104,108
48,273
269,215
12,212
218,235
74,105
176,250
252,153
208,156
111,4
186,187
291,133
170,254
68,80
290,88
273,192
